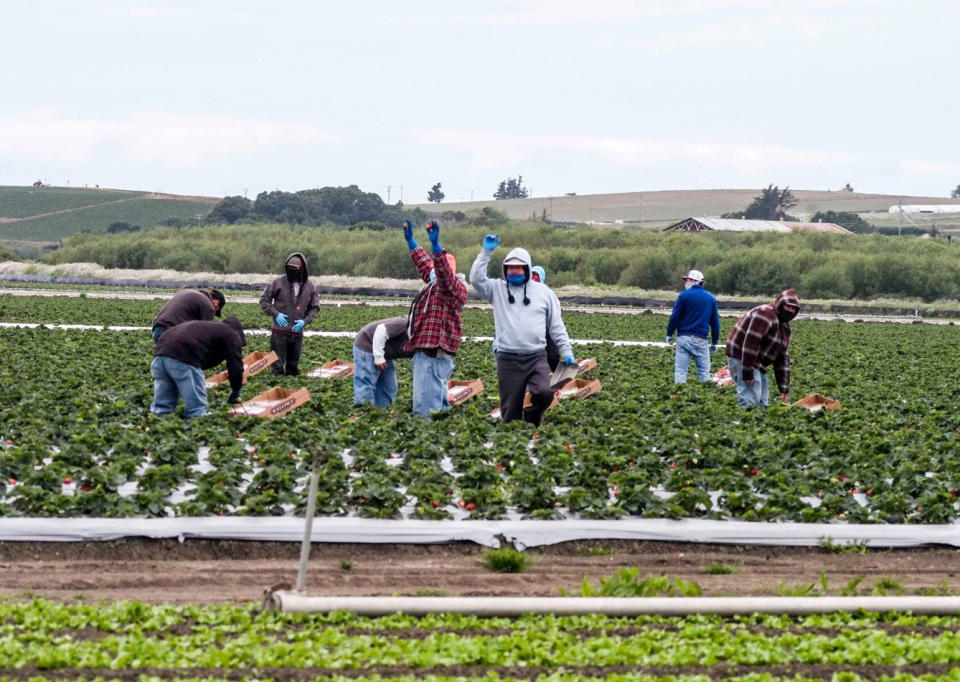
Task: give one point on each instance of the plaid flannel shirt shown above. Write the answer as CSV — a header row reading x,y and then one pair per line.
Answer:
x,y
435,315
759,340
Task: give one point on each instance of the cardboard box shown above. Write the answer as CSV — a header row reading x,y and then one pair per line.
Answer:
x,y
723,378
461,391
527,402
254,363
815,402
332,370
272,403
580,388
585,365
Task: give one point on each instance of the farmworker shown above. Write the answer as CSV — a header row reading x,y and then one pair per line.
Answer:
x,y
375,348
434,324
181,356
186,305
695,313
291,301
523,311
761,338
538,274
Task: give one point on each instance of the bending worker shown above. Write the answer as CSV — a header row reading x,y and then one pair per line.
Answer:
x,y
187,305
523,311
375,348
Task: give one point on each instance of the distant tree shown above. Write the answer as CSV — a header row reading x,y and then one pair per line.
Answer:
x,y
511,189
955,194
435,194
848,187
851,221
772,204
229,210
121,226
280,207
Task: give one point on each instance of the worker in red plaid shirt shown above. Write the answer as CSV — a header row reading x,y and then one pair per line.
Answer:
x,y
761,338
434,322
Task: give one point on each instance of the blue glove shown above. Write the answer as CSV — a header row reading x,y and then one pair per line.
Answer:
x,y
569,360
433,231
491,241
408,234
281,320
234,397
713,348
298,325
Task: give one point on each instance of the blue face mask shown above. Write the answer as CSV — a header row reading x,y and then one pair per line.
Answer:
x,y
517,280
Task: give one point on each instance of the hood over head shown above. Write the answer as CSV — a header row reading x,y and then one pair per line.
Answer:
x,y
786,297
217,295
304,274
541,272
518,256
235,325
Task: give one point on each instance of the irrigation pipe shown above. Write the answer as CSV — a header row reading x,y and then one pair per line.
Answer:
x,y
290,602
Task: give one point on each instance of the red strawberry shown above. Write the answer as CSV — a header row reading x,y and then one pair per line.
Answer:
x,y
471,506
461,504
449,491
9,441
435,503
85,488
12,481
570,446
536,436
68,480
754,471
673,465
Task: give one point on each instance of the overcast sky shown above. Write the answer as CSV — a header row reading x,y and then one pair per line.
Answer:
x,y
577,96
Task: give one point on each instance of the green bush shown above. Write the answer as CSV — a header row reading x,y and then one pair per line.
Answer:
x,y
506,560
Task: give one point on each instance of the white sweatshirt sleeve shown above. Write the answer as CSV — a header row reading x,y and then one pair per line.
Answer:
x,y
379,344
478,275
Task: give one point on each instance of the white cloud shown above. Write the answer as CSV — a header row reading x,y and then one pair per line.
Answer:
x,y
918,167
495,150
149,137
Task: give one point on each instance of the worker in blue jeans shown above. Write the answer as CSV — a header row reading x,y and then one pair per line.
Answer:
x,y
695,314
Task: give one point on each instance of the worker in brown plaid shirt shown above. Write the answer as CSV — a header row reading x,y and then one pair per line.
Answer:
x,y
434,322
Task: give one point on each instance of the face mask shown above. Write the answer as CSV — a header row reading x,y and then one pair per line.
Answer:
x,y
785,316
433,275
517,280
689,284
293,274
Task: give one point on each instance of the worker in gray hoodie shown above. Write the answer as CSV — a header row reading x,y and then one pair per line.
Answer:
x,y
523,311
291,300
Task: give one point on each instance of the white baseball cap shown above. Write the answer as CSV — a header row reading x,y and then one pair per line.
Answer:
x,y
694,275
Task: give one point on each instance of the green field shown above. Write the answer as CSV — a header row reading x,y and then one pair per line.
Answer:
x,y
43,640
53,213
80,440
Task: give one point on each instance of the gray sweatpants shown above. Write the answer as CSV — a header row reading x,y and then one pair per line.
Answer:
x,y
515,373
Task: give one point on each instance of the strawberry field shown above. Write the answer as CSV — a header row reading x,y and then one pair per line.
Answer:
x,y
78,439
131,641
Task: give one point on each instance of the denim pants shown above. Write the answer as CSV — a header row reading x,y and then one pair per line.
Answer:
x,y
694,348
758,393
430,377
372,384
173,379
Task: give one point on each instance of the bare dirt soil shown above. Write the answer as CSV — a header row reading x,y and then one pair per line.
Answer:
x,y
198,571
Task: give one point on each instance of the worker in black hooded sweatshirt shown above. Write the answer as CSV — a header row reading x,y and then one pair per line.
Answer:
x,y
291,301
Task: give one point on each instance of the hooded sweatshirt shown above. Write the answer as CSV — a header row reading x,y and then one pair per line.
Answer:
x,y
520,328
280,297
760,339
186,305
205,345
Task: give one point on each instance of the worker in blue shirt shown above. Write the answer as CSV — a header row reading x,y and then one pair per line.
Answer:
x,y
694,314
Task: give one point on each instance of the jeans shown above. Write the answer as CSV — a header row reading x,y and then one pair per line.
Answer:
x,y
158,332
372,384
758,393
430,377
173,379
691,347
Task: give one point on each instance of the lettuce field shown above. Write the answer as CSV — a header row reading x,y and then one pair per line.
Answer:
x,y
131,641
78,439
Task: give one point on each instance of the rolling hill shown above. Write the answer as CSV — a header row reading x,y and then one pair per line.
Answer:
x,y
52,213
656,209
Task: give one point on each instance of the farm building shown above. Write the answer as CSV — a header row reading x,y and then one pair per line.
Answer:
x,y
743,225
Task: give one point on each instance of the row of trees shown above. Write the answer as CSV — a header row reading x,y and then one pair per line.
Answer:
x,y
511,188
338,205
